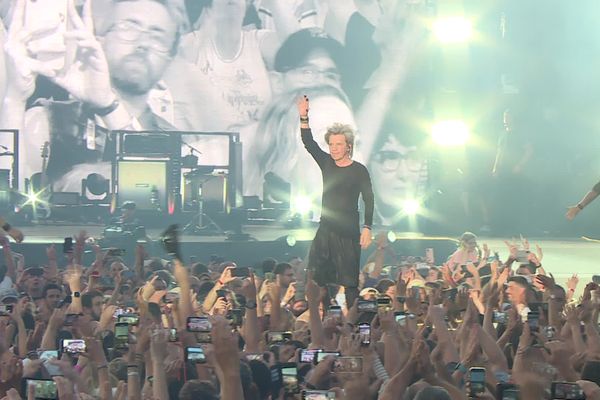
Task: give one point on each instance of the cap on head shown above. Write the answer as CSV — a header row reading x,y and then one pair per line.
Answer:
x,y
300,44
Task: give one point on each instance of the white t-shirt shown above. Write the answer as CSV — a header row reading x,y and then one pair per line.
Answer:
x,y
227,93
6,283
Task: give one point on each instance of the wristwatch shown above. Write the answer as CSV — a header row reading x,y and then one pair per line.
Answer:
x,y
251,304
76,294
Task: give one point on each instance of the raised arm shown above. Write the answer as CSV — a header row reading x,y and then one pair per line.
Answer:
x,y
587,199
309,142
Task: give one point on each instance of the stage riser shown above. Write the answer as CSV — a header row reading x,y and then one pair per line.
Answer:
x,y
243,253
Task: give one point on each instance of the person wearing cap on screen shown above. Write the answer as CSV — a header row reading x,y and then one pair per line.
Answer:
x,y
335,251
306,64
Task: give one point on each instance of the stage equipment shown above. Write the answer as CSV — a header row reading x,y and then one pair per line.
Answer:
x,y
276,192
95,189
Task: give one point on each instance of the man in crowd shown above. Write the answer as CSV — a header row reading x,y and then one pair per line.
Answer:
x,y
111,80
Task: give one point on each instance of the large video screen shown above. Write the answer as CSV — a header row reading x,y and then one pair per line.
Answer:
x,y
214,66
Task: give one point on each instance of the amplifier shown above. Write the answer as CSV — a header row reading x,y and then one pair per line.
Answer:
x,y
144,182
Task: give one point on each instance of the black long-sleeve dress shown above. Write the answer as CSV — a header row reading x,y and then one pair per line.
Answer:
x,y
335,252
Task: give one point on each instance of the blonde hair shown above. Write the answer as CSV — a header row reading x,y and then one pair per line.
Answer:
x,y
341,129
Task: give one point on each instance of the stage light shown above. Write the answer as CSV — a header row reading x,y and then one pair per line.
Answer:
x,y
302,205
97,184
411,207
32,199
452,29
450,133
391,237
290,240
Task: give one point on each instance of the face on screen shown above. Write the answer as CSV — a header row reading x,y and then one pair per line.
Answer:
x,y
138,45
318,69
397,170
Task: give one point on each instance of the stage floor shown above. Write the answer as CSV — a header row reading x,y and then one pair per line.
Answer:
x,y
562,257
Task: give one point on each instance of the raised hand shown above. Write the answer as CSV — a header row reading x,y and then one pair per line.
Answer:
x,y
513,249
303,107
87,78
16,234
365,238
572,212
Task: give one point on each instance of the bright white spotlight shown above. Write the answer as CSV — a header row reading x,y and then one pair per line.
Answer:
x,y
32,198
452,29
391,236
411,206
302,205
290,240
450,133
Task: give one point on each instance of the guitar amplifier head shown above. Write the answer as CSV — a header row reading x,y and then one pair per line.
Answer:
x,y
149,144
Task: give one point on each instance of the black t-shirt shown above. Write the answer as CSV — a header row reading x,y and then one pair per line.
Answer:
x,y
341,188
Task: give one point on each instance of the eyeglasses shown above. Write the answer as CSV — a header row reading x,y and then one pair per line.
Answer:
x,y
131,32
311,74
390,160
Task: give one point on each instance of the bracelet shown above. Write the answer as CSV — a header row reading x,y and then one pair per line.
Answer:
x,y
102,366
220,282
133,366
367,226
579,206
461,368
6,227
102,112
303,119
133,373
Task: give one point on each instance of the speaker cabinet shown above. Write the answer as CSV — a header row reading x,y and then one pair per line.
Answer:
x,y
144,182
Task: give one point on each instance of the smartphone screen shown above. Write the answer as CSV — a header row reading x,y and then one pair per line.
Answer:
x,y
122,330
73,346
202,327
195,355
367,306
131,319
384,303
335,312
235,317
240,272
308,356
318,395
46,356
348,365
364,330
278,337
289,374
68,245
567,390
477,380
43,388
322,354
533,320
400,317
198,324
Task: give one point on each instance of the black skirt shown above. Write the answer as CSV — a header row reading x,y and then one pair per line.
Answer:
x,y
334,258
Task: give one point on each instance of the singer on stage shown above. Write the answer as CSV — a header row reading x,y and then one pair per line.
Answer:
x,y
335,252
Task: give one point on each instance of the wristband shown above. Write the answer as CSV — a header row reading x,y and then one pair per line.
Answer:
x,y
6,227
303,119
220,282
133,373
579,206
367,226
102,366
461,368
102,112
